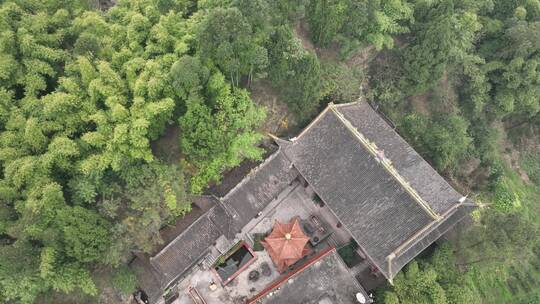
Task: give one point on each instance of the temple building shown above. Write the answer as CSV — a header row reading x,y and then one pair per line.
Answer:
x,y
286,244
324,219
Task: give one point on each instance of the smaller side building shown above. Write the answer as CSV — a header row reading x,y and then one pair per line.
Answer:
x,y
322,279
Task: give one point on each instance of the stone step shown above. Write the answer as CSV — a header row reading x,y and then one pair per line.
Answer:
x,y
210,260
332,241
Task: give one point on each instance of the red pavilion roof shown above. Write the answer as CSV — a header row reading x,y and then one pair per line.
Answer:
x,y
286,244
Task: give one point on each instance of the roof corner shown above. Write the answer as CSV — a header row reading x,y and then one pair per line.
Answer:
x,y
282,143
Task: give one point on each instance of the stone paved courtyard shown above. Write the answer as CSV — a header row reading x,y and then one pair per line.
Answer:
x,y
292,202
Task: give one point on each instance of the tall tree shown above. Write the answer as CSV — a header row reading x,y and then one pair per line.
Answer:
x,y
296,71
326,17
444,140
81,100
31,44
218,132
515,73
444,33
376,21
416,285
226,40
358,22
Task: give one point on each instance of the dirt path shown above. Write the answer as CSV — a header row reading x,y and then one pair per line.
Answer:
x,y
331,53
278,118
302,33
419,103
362,58
512,154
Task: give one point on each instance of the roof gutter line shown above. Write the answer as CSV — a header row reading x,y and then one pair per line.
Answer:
x,y
152,258
391,277
401,247
444,215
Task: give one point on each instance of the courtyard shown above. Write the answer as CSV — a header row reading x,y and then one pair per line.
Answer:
x,y
204,285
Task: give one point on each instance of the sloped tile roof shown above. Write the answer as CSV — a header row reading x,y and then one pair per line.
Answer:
x,y
393,203
381,190
186,249
148,278
286,244
226,217
259,188
323,280
368,201
422,177
429,237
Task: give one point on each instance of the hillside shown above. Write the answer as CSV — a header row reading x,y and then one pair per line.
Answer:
x,y
111,118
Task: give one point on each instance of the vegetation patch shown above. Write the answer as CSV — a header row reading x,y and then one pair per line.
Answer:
x,y
531,164
257,238
109,119
349,255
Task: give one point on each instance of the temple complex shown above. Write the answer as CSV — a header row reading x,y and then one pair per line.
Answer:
x,y
327,217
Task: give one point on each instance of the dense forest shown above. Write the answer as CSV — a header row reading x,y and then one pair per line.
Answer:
x,y
87,96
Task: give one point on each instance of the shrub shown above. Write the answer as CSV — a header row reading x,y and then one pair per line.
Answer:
x,y
531,165
505,199
124,280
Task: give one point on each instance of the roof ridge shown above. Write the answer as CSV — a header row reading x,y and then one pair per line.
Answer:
x,y
279,141
230,216
386,164
346,104
200,218
446,214
413,240
394,130
312,123
250,174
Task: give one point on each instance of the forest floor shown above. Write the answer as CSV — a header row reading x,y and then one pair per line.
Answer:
x,y
167,147
107,294
419,103
279,120
302,33
362,58
522,155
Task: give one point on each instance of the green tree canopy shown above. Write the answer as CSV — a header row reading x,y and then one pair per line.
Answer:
x,y
445,140
82,97
358,22
217,132
226,39
444,33
416,285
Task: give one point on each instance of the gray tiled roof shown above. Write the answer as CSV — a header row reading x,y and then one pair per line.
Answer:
x,y
430,236
385,207
327,279
226,217
148,278
186,249
258,189
368,201
422,177
148,270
